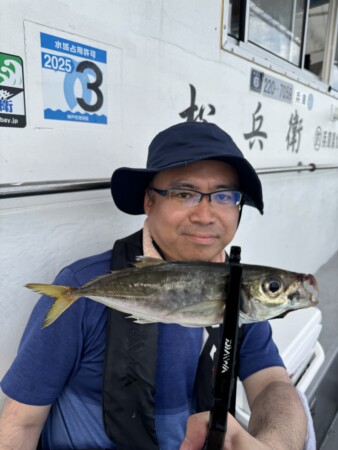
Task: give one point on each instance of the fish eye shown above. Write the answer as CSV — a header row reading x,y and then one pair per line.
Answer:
x,y
272,286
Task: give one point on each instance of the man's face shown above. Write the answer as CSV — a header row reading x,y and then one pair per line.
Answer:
x,y
197,232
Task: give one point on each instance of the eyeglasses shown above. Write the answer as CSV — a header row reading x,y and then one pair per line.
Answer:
x,y
190,197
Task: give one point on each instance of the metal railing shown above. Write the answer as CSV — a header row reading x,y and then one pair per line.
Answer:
x,y
13,190
52,187
299,168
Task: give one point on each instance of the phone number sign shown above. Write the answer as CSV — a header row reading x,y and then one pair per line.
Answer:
x,y
74,80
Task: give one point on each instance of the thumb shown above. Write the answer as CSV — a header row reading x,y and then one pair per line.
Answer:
x,y
196,433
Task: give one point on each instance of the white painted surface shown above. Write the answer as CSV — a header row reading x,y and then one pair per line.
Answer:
x,y
155,50
39,235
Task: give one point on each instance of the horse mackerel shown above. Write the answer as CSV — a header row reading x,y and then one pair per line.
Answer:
x,y
187,293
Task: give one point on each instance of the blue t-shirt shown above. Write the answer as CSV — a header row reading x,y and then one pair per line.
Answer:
x,y
62,365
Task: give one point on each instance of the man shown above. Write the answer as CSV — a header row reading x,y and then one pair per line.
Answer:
x,y
93,378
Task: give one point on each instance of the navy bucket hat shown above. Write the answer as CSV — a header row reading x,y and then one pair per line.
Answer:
x,y
178,146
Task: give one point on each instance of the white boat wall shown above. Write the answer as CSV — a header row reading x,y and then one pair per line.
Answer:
x,y
85,86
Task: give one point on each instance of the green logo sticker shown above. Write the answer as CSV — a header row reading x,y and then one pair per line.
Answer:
x,y
12,99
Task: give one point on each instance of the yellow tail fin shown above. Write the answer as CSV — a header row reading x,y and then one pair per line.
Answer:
x,y
65,296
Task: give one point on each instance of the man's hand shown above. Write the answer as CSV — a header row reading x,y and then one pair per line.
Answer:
x,y
236,438
277,422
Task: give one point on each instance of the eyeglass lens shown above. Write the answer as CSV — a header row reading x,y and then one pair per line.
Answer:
x,y
191,198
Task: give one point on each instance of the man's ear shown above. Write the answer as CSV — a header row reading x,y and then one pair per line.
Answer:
x,y
148,201
240,209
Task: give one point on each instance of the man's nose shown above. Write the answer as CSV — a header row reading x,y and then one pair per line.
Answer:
x,y
203,212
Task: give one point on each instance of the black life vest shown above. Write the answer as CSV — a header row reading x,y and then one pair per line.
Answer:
x,y
130,369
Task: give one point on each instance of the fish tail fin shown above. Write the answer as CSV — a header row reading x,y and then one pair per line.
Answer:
x,y
65,296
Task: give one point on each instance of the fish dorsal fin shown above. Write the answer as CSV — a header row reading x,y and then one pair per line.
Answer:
x,y
147,261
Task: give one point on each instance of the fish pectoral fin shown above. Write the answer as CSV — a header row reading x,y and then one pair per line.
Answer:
x,y
147,261
203,308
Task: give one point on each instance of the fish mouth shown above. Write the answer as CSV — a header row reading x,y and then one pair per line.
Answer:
x,y
306,292
311,287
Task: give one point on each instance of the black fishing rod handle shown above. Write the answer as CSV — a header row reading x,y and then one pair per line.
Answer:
x,y
215,440
225,380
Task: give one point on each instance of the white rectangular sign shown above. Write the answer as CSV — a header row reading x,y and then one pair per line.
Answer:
x,y
74,80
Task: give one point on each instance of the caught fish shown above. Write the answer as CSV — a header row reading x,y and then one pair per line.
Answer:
x,y
187,293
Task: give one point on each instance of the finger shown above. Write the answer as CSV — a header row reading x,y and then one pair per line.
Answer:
x,y
196,433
